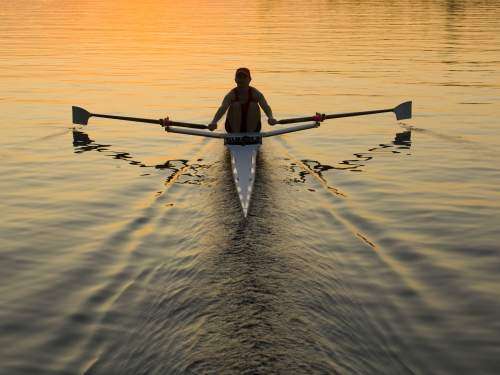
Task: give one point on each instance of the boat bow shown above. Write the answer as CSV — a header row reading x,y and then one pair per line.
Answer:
x,y
243,161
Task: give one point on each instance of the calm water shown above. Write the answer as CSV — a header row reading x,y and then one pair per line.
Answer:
x,y
372,246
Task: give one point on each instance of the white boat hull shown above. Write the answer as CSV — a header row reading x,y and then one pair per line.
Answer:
x,y
243,166
244,148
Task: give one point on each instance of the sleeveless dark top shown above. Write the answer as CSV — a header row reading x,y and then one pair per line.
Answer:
x,y
244,111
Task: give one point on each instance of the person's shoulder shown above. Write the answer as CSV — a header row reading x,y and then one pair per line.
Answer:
x,y
256,92
230,95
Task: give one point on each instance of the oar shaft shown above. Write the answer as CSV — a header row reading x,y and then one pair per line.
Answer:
x,y
321,117
296,119
127,118
352,114
187,125
152,121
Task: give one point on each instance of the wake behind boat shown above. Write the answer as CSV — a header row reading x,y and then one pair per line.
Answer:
x,y
243,147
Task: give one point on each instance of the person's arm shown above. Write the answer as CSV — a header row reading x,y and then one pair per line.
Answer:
x,y
220,112
266,108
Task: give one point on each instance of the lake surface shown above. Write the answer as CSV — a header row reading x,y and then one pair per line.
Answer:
x,y
371,245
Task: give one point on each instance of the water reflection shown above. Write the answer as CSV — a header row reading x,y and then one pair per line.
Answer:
x,y
253,321
402,141
83,143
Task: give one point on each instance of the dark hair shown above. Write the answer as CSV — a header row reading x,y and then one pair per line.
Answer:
x,y
245,71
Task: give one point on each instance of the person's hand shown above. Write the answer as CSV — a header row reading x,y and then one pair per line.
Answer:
x,y
272,121
212,126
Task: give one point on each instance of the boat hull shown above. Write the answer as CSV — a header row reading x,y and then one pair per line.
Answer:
x,y
243,167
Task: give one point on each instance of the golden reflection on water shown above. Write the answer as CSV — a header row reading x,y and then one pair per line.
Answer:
x,y
385,230
178,58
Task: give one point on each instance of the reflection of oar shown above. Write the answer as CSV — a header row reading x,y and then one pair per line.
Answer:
x,y
402,112
81,117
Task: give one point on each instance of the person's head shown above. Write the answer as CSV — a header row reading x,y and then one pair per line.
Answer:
x,y
242,77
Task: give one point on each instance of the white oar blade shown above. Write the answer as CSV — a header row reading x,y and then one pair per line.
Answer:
x,y
403,111
80,116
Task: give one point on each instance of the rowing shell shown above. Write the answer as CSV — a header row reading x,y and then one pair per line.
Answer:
x,y
243,148
243,166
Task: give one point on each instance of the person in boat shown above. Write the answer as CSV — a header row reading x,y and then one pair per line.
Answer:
x,y
243,104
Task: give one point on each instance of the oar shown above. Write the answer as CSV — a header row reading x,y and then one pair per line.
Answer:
x,y
81,116
402,112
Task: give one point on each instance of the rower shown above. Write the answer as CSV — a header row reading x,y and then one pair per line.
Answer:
x,y
244,103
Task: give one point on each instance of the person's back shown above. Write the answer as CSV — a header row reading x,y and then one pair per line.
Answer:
x,y
244,112
243,104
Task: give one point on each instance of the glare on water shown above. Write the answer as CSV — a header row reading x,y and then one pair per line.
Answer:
x,y
371,245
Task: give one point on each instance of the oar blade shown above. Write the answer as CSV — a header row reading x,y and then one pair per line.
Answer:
x,y
80,116
403,111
